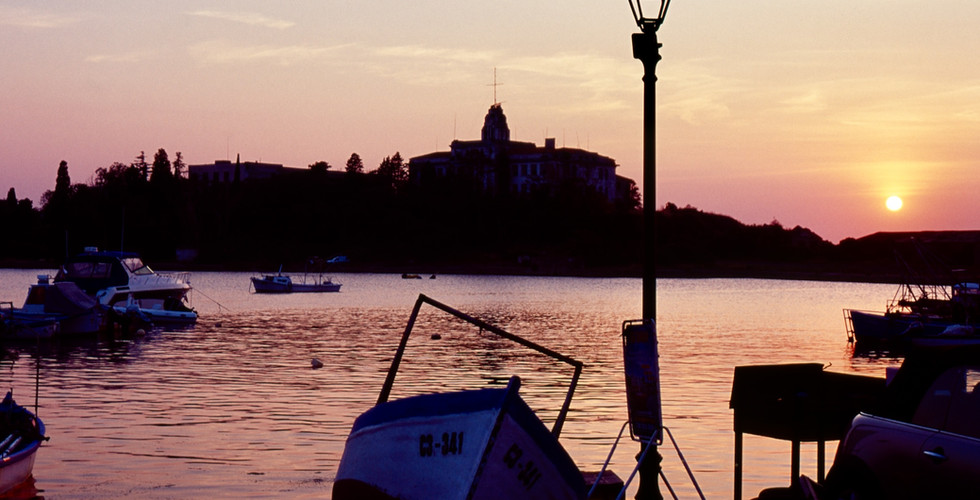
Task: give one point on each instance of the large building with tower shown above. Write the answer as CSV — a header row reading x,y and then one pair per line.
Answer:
x,y
498,165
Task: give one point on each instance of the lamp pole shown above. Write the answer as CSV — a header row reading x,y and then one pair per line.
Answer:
x,y
646,48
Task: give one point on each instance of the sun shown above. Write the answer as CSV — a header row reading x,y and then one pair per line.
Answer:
x,y
894,203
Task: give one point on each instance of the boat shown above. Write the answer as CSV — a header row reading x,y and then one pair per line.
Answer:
x,y
63,304
21,432
279,283
120,281
917,312
411,276
19,328
471,444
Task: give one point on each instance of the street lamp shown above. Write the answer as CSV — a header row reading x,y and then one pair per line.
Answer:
x,y
640,340
646,48
649,23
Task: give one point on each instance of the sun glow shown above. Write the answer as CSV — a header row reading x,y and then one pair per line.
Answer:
x,y
894,203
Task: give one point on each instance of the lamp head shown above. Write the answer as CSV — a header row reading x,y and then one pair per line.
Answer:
x,y
649,24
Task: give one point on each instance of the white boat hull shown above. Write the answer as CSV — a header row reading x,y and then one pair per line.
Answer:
x,y
17,463
466,445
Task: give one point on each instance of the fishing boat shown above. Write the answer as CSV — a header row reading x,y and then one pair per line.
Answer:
x,y
916,312
279,283
21,432
121,280
471,444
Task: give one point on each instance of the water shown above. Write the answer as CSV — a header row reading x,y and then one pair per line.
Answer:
x,y
232,407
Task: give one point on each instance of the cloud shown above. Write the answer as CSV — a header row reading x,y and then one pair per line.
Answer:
x,y
27,18
222,52
127,57
249,18
417,52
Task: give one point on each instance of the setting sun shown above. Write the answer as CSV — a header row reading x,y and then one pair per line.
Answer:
x,y
894,203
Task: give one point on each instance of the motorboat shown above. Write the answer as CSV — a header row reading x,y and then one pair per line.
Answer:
x,y
280,283
21,432
122,281
62,304
471,444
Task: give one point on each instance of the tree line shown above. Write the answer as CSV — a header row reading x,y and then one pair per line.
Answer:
x,y
374,217
379,219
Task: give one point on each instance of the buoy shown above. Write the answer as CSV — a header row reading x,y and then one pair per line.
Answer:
x,y
316,363
436,336
141,332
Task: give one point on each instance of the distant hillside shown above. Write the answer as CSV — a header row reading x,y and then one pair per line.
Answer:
x,y
695,243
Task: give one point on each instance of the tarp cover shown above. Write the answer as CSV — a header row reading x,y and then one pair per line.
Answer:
x,y
66,298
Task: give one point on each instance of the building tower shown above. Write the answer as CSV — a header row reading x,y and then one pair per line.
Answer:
x,y
495,128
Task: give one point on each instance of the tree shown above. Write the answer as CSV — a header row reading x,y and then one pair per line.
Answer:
x,y
62,184
141,166
161,166
392,169
320,167
179,166
115,173
354,164
11,198
632,201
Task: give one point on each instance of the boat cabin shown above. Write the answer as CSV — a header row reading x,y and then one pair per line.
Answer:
x,y
95,270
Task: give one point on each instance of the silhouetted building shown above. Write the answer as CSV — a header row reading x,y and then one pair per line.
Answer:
x,y
495,164
225,171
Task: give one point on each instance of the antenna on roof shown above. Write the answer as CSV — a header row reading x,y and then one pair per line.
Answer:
x,y
495,85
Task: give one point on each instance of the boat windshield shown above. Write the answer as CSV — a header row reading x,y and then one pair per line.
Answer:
x,y
136,265
75,270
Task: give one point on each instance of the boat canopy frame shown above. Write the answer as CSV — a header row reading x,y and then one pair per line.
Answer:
x,y
423,299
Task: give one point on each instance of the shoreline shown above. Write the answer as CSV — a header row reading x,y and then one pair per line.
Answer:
x,y
755,270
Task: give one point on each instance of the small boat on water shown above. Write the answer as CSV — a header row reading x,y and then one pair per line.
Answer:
x,y
917,312
21,432
473,444
279,283
932,298
120,280
64,305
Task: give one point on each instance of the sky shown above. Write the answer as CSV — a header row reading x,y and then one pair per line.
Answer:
x,y
806,113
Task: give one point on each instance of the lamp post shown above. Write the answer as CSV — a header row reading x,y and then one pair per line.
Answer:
x,y
646,48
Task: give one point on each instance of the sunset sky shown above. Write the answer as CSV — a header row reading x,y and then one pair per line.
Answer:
x,y
809,113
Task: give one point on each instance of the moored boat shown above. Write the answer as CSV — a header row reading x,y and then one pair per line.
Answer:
x,y
21,432
62,304
279,283
120,280
477,444
472,444
916,312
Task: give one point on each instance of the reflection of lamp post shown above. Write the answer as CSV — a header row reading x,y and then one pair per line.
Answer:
x,y
646,48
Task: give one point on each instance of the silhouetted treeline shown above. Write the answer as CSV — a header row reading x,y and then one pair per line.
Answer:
x,y
374,218
381,221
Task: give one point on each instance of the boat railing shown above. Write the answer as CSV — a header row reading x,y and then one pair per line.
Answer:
x,y
422,299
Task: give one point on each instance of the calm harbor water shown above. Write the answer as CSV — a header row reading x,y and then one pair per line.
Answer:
x,y
232,407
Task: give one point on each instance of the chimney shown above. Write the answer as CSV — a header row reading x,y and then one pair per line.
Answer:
x,y
549,143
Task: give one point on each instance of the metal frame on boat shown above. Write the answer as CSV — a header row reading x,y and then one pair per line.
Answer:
x,y
473,444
